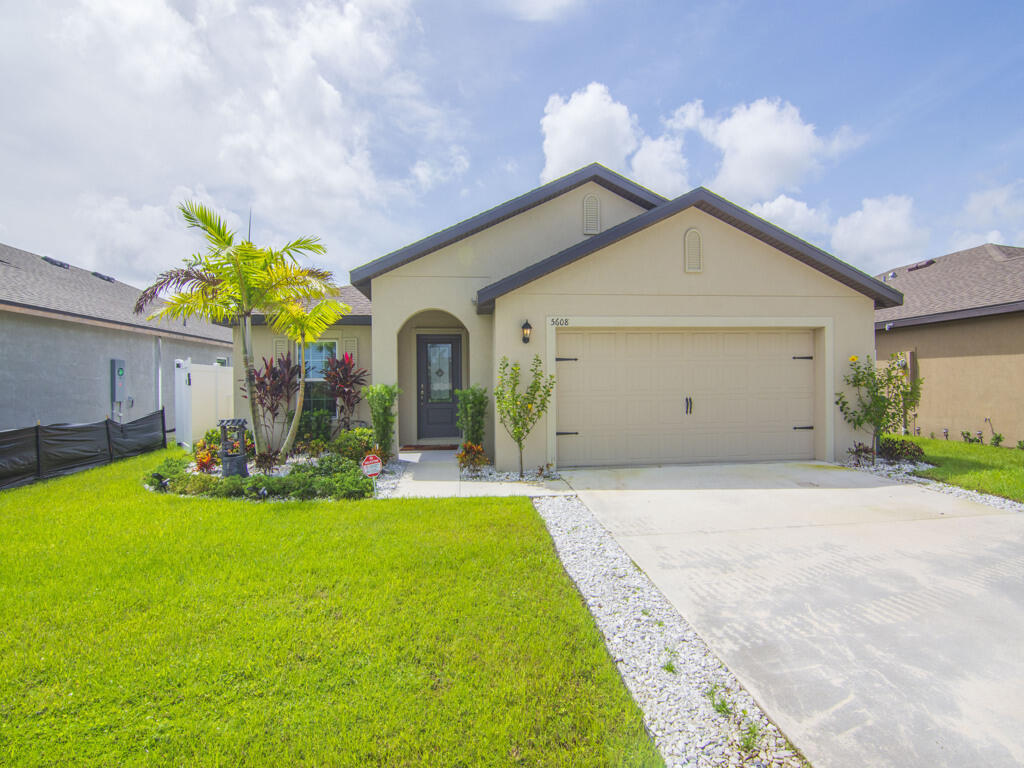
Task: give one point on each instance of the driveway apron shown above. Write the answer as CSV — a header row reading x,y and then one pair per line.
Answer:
x,y
879,624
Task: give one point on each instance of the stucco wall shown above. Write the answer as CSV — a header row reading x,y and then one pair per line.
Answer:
x,y
642,277
56,371
263,338
972,370
449,278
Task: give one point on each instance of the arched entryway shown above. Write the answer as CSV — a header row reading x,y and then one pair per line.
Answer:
x,y
433,362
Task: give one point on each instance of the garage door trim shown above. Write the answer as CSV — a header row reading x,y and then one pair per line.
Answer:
x,y
552,323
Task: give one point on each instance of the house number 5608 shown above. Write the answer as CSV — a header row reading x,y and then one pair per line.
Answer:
x,y
560,322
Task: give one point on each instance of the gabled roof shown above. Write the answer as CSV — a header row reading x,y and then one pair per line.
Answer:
x,y
32,282
985,280
707,201
595,172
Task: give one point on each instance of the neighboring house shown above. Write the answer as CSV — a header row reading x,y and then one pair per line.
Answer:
x,y
60,327
679,330
961,329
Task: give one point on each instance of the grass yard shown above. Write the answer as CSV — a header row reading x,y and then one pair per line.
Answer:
x,y
143,629
984,468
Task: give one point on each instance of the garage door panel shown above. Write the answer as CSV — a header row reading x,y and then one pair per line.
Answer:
x,y
626,395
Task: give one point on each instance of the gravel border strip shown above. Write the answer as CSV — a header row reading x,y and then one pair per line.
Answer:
x,y
671,673
903,472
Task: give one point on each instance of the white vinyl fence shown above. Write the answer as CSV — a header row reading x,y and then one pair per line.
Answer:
x,y
203,394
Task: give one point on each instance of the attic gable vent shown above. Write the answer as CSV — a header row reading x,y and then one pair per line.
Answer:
x,y
693,255
101,276
920,265
591,215
61,264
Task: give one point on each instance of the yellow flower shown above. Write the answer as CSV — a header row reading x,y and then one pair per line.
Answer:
x,y
854,358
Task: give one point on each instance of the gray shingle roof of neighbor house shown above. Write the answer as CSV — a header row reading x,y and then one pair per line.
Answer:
x,y
595,172
985,280
707,201
360,314
30,282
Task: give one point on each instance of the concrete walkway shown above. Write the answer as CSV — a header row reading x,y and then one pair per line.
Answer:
x,y
878,624
436,474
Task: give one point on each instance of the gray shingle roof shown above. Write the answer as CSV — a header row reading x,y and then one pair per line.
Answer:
x,y
347,294
985,280
27,280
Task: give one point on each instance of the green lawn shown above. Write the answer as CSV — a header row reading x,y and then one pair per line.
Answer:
x,y
143,629
985,468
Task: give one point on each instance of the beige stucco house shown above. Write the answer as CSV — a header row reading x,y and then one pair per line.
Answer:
x,y
680,330
961,329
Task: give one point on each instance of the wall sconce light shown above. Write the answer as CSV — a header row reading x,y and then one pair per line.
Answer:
x,y
527,330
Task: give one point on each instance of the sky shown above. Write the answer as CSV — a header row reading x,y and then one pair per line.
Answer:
x,y
883,132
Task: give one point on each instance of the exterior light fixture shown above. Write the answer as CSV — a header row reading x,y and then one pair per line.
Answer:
x,y
527,330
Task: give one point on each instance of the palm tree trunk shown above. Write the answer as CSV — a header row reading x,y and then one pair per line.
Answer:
x,y
294,428
250,385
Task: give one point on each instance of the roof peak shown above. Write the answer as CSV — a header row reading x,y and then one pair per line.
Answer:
x,y
362,276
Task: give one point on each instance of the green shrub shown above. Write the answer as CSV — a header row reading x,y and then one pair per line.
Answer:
x,y
381,399
315,425
1020,445
471,407
200,485
354,444
230,487
351,485
170,468
212,437
332,464
997,439
898,449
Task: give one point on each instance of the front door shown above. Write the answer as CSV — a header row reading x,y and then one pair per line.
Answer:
x,y
438,375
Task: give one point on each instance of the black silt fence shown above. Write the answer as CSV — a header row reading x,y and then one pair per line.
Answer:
x,y
36,453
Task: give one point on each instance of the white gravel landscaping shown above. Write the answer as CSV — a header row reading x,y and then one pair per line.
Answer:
x,y
667,667
488,473
389,478
903,472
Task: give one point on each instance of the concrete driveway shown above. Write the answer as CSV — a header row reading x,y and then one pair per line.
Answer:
x,y
878,624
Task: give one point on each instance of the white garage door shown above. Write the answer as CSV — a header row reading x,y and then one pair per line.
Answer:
x,y
642,396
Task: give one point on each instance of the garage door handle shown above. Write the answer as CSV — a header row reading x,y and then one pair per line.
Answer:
x,y
803,427
566,433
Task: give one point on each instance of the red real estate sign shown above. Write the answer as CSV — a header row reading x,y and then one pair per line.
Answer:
x,y
371,465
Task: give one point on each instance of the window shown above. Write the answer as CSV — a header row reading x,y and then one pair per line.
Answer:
x,y
693,256
317,355
591,215
318,396
221,361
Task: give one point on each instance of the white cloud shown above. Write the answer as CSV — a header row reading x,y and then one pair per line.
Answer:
x,y
795,216
154,47
314,114
660,165
539,10
994,215
590,126
766,147
880,235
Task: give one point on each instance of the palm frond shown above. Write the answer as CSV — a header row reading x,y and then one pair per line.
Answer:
x,y
298,323
302,245
190,278
200,216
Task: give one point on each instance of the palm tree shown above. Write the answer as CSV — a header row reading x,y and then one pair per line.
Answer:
x,y
304,326
232,281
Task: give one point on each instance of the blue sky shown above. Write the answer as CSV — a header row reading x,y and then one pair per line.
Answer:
x,y
884,132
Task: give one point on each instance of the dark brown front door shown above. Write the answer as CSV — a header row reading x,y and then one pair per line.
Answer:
x,y
438,375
